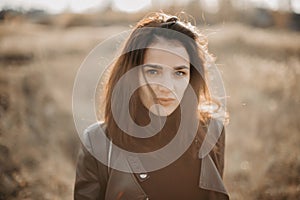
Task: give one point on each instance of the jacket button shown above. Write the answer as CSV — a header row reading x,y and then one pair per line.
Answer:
x,y
147,198
143,175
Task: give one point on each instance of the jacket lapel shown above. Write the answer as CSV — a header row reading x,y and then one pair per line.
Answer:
x,y
210,178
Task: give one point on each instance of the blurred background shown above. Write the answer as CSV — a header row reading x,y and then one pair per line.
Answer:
x,y
43,43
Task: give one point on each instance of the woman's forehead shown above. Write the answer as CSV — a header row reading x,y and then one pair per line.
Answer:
x,y
167,53
160,42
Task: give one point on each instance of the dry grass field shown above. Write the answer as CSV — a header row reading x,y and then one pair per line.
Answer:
x,y
39,143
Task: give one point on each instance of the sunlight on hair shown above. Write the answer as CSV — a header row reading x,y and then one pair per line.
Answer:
x,y
209,107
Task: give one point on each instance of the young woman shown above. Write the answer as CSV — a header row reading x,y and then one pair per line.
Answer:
x,y
156,141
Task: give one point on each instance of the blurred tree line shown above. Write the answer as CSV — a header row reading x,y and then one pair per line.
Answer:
x,y
205,12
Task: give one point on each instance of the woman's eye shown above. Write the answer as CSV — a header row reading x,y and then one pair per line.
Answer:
x,y
152,72
180,73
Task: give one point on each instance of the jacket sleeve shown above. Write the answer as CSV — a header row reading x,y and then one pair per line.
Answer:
x,y
87,184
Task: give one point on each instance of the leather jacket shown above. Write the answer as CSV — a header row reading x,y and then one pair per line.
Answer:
x,y
95,180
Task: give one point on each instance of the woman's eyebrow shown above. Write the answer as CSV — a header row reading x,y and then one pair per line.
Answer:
x,y
160,67
153,66
181,67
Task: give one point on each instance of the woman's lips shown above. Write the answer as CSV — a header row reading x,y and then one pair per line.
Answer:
x,y
165,101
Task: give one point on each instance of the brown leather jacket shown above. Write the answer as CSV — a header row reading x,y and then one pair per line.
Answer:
x,y
95,180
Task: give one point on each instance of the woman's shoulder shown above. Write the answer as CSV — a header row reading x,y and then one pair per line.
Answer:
x,y
95,127
214,123
218,123
94,137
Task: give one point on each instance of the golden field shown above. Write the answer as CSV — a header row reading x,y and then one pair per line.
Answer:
x,y
39,143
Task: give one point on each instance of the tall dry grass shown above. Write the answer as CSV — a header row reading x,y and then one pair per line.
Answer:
x,y
261,71
38,64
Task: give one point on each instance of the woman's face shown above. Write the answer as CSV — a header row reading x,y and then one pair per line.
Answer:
x,y
166,71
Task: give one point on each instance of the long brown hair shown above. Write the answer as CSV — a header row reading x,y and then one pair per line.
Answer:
x,y
133,54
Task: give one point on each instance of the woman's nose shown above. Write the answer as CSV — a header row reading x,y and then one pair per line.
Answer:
x,y
166,85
